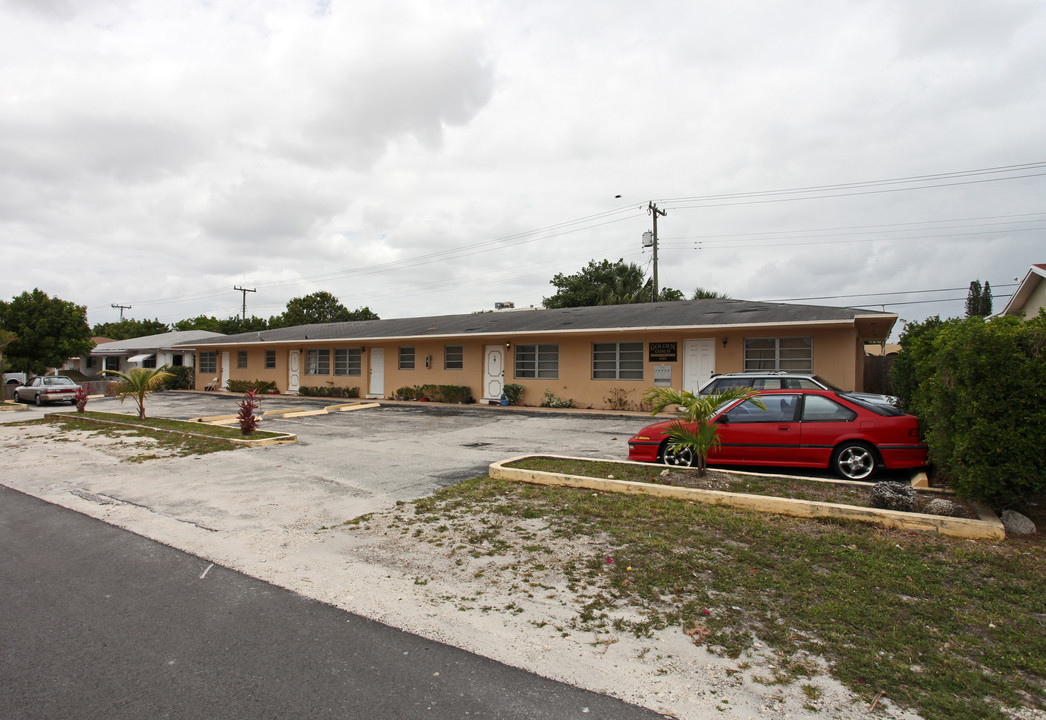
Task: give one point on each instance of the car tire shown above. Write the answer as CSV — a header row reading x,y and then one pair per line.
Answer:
x,y
16,398
36,399
682,458
855,461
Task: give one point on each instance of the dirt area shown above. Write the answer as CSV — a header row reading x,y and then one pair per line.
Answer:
x,y
271,514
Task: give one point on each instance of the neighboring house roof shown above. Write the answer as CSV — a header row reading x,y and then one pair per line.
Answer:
x,y
704,314
153,342
1036,274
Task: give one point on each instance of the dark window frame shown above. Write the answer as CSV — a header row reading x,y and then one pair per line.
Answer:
x,y
537,361
454,357
609,360
348,362
766,354
318,361
407,357
208,361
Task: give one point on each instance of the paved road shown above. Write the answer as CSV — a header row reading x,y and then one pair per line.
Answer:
x,y
96,622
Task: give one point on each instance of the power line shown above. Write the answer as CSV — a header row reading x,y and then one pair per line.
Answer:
x,y
919,182
589,222
883,294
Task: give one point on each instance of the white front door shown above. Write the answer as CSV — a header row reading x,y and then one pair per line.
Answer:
x,y
293,371
376,389
225,370
493,372
698,363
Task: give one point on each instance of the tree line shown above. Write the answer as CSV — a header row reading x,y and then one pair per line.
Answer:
x,y
317,307
39,332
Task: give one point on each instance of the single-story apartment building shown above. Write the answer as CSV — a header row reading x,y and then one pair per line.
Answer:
x,y
586,354
148,351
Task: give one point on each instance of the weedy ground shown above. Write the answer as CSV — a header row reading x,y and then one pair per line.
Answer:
x,y
150,440
954,629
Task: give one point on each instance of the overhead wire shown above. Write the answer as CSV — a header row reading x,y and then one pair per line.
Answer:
x,y
620,214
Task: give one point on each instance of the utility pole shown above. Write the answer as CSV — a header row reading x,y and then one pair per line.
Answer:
x,y
652,209
122,308
245,291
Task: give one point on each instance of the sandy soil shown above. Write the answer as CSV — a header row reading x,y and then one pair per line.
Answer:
x,y
245,511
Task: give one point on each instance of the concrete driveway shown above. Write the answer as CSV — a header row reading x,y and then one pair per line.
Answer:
x,y
281,513
263,503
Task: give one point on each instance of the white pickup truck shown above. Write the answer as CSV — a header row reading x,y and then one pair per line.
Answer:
x,y
15,378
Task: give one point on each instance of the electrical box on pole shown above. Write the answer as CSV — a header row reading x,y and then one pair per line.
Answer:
x,y
652,209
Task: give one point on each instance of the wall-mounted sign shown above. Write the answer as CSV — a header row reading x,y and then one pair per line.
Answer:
x,y
663,352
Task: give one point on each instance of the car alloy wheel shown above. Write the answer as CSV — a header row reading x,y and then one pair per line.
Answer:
x,y
683,457
36,399
854,461
16,398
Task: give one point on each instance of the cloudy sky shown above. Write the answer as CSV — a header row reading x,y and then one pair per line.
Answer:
x,y
424,157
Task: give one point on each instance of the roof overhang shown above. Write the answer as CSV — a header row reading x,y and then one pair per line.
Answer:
x,y
140,358
1036,274
873,328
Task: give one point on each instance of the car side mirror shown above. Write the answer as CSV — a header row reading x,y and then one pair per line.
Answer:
x,y
722,420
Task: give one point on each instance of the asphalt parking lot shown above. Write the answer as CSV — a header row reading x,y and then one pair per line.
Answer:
x,y
398,451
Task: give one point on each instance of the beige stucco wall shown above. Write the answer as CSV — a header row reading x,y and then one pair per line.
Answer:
x,y
837,356
1036,301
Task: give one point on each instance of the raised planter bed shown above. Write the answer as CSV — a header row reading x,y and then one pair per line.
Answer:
x,y
986,526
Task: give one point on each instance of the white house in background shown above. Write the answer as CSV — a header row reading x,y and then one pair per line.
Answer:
x,y
149,351
1031,294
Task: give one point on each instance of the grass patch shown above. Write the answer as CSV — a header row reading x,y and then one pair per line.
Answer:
x,y
166,443
796,488
954,629
177,426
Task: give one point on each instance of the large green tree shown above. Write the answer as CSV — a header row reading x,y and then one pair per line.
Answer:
x,y
48,331
319,307
229,326
605,283
127,329
6,338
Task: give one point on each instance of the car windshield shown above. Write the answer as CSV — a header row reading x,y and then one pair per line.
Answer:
x,y
878,409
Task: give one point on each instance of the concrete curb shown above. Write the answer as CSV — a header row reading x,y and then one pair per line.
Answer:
x,y
986,527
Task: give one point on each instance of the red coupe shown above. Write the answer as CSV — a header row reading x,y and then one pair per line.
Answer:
x,y
800,428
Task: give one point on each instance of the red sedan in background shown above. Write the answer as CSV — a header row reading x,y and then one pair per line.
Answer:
x,y
800,428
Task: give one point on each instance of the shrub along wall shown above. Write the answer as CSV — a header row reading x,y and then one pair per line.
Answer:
x,y
979,389
262,386
336,391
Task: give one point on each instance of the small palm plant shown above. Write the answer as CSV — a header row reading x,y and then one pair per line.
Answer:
x,y
693,432
138,382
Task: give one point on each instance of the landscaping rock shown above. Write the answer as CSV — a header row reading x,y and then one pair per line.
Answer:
x,y
940,506
893,496
1017,524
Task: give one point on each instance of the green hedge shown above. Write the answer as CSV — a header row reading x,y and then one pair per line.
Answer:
x,y
244,386
182,379
329,391
979,389
436,393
